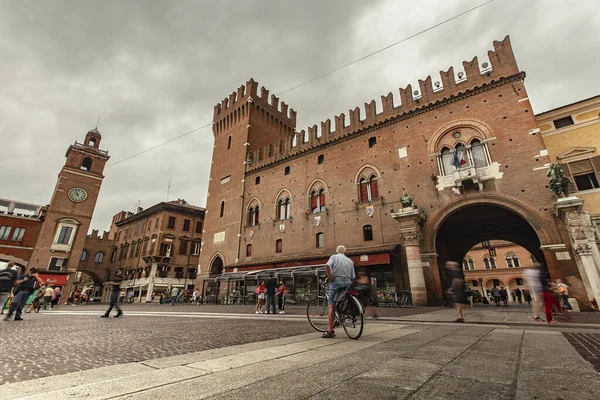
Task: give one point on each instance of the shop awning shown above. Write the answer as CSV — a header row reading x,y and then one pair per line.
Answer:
x,y
54,278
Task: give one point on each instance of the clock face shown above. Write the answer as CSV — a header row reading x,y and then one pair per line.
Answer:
x,y
77,195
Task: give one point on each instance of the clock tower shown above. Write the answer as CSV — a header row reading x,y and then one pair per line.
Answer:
x,y
70,211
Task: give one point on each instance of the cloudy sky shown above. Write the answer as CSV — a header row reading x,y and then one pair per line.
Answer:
x,y
155,69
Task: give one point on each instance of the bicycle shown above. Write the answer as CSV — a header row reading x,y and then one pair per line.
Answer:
x,y
348,312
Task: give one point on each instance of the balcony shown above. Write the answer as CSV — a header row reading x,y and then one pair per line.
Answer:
x,y
60,247
455,180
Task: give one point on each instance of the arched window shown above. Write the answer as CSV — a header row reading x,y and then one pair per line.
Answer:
x,y
99,257
320,159
278,246
489,262
468,264
367,233
86,165
113,256
92,142
287,170
83,255
249,250
512,261
368,189
284,209
447,167
294,140
372,141
222,209
253,216
479,154
317,200
257,180
320,240
229,142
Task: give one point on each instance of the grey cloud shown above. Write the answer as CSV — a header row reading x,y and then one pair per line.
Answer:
x,y
155,69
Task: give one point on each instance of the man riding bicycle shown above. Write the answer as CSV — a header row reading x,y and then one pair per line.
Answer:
x,y
340,271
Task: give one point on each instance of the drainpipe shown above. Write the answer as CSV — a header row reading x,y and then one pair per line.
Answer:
x,y
242,196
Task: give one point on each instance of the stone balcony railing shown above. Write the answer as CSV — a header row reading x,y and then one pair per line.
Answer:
x,y
82,145
477,175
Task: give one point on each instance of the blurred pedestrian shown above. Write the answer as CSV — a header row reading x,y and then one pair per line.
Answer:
x,y
174,294
271,289
533,280
563,293
513,296
364,287
496,294
260,296
457,288
281,291
37,295
114,295
8,277
121,296
25,285
527,296
519,295
131,295
57,297
48,293
470,296
504,296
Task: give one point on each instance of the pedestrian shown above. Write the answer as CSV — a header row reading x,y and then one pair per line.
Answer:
x,y
550,295
527,296
122,296
504,295
513,296
496,295
260,296
470,296
271,289
196,296
340,272
34,298
364,287
519,295
114,294
457,288
174,294
25,285
8,277
48,293
56,298
563,293
152,297
160,298
131,295
281,297
76,296
533,280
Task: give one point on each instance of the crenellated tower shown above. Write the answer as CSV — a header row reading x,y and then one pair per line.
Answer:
x,y
244,123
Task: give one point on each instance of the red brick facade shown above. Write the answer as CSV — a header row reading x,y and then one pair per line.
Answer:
x,y
13,246
260,159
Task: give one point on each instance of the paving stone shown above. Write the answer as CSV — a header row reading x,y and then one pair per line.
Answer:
x,y
449,387
70,343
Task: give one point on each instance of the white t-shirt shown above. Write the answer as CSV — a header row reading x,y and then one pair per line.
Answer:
x,y
562,285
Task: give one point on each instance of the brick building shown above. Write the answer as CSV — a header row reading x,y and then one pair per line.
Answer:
x,y
279,198
20,225
157,247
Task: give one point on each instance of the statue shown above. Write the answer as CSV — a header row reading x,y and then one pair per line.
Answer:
x,y
406,201
559,182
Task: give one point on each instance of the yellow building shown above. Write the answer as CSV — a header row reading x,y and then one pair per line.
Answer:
x,y
572,137
500,265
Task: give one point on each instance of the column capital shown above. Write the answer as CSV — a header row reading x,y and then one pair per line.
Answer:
x,y
411,236
583,249
410,226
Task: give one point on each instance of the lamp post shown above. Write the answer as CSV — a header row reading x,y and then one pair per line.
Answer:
x,y
482,291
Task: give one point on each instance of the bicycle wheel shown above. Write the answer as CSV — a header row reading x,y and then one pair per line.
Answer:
x,y
352,319
37,306
316,312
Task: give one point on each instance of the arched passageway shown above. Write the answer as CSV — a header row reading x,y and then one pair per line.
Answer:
x,y
217,266
478,223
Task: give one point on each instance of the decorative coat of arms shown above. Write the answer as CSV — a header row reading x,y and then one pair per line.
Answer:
x,y
282,228
317,220
251,234
370,211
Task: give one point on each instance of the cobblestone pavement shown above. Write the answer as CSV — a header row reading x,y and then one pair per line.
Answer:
x,y
52,343
587,345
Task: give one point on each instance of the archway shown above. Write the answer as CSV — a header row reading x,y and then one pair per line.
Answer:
x,y
216,268
478,223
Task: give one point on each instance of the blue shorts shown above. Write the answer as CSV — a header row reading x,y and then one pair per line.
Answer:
x,y
337,285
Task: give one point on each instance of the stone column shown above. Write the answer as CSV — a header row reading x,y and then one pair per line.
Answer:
x,y
410,233
154,268
581,232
